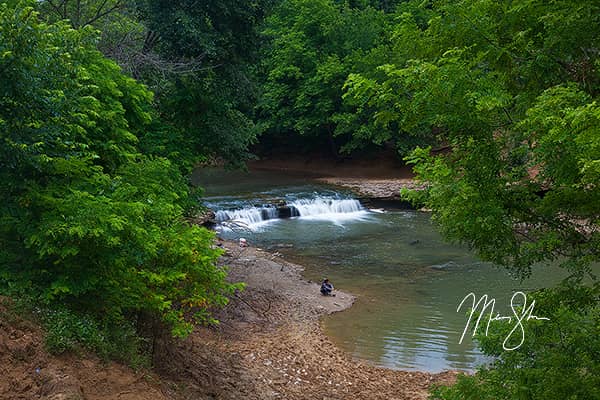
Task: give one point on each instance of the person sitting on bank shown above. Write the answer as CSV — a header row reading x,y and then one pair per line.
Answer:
x,y
326,287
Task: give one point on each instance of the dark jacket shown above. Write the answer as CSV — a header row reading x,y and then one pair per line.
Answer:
x,y
326,288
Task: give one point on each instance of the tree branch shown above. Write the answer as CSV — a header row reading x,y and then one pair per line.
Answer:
x,y
99,13
57,8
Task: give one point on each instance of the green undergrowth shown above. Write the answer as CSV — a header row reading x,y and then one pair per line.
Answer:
x,y
69,332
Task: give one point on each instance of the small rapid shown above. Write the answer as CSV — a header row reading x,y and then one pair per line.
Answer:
x,y
326,206
248,216
320,207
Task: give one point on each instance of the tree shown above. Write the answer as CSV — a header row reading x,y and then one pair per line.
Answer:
x,y
83,13
195,56
123,37
521,149
313,46
210,105
88,221
514,99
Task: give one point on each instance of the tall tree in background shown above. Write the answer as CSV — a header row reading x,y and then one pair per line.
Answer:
x,y
82,13
212,105
123,37
312,47
196,56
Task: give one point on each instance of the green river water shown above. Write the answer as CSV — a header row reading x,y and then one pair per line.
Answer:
x,y
407,280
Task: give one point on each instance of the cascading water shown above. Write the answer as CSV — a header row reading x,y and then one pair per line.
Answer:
x,y
328,208
248,216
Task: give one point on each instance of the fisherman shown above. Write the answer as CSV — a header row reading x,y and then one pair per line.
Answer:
x,y
326,288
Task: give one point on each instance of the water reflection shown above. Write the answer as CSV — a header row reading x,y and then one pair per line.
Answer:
x,y
407,280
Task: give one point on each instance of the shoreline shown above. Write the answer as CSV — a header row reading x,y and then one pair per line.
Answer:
x,y
381,182
270,343
373,188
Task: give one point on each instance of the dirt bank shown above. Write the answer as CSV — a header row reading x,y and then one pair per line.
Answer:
x,y
373,188
29,372
269,345
377,179
383,167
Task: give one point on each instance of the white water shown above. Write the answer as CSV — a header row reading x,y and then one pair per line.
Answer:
x,y
326,206
322,208
330,209
248,216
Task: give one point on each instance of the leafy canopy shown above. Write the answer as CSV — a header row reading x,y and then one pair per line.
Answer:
x,y
510,91
88,221
311,48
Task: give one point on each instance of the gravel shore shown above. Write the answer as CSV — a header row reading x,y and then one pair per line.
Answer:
x,y
270,345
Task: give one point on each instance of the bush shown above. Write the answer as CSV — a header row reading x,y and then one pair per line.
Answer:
x,y
67,331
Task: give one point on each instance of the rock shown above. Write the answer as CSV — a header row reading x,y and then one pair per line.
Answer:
x,y
206,218
60,386
287,211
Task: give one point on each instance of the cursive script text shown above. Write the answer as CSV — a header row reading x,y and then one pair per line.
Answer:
x,y
520,309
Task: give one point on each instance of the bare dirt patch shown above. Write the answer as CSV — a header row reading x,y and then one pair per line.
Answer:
x,y
377,179
29,372
269,345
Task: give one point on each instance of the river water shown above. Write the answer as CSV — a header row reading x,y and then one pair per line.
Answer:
x,y
407,280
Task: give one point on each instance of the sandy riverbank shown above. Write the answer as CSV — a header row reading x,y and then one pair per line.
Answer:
x,y
373,188
270,344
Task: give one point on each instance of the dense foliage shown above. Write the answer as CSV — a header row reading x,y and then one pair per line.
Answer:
x,y
197,58
88,221
210,103
510,89
495,101
313,46
516,105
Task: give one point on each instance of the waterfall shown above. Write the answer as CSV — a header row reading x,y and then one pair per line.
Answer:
x,y
326,206
248,216
319,207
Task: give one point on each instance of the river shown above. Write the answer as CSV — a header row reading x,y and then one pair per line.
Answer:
x,y
407,280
